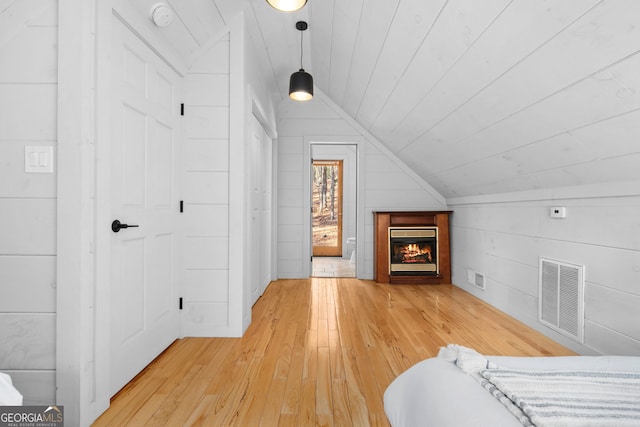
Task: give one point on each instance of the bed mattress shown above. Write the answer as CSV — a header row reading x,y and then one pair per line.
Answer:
x,y
435,392
9,396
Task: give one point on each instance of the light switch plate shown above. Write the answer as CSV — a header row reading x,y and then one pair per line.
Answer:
x,y
38,159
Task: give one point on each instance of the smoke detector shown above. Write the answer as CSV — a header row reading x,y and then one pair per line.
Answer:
x,y
161,14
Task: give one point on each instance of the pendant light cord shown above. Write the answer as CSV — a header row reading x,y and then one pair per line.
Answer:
x,y
301,38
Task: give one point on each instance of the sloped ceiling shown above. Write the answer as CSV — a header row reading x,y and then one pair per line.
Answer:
x,y
477,97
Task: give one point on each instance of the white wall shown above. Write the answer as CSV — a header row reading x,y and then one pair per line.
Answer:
x,y
502,236
206,193
28,98
222,93
384,183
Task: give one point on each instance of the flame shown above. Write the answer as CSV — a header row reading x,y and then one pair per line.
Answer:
x,y
413,253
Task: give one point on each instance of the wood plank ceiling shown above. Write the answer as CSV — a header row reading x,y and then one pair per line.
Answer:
x,y
477,97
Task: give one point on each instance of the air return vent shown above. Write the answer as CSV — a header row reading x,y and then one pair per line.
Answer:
x,y
475,278
561,297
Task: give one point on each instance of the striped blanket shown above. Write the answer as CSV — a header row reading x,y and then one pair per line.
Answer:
x,y
567,398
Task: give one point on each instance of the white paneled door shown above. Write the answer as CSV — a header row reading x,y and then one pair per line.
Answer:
x,y
259,250
144,159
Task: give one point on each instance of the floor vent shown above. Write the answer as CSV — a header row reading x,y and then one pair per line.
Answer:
x,y
479,280
561,297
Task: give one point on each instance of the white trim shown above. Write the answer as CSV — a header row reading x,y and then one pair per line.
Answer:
x,y
257,110
357,141
239,315
615,189
145,30
78,357
102,336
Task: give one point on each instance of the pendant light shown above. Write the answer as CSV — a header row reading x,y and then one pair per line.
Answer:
x,y
287,5
301,82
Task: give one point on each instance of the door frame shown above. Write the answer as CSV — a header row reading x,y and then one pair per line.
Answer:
x,y
262,261
83,199
307,243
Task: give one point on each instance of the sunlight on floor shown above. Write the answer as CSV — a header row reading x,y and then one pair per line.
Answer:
x,y
332,267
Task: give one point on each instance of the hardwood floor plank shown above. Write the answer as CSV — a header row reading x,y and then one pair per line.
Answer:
x,y
270,416
307,415
319,351
202,409
324,405
293,389
340,400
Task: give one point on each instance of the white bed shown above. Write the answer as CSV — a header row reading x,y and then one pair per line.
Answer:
x,y
9,395
436,391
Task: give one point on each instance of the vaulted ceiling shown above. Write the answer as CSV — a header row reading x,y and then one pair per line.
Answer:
x,y
477,97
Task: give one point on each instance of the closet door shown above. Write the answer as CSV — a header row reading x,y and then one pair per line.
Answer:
x,y
145,256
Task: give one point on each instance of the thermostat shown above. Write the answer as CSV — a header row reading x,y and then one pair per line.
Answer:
x,y
558,212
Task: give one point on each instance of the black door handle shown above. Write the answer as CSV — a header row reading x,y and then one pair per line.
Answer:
x,y
117,225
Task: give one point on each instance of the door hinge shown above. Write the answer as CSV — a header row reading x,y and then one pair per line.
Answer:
x,y
182,109
181,206
180,305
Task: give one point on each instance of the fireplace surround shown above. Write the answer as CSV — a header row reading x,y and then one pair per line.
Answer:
x,y
412,247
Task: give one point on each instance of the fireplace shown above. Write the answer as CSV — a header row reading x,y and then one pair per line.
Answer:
x,y
411,247
413,251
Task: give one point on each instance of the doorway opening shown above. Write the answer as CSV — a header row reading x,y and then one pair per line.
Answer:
x,y
326,208
333,212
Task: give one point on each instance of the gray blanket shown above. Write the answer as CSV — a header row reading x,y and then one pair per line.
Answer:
x,y
568,398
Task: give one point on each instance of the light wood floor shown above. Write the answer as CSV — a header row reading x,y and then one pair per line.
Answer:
x,y
319,352
332,267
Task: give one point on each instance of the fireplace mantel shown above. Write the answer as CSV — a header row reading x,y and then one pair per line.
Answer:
x,y
385,220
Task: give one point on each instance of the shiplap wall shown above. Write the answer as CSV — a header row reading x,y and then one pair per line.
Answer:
x,y
206,193
386,184
28,97
503,236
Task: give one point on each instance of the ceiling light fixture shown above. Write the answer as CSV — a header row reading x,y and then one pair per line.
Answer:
x,y
301,82
287,5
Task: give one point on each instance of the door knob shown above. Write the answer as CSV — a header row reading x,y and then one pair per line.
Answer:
x,y
117,225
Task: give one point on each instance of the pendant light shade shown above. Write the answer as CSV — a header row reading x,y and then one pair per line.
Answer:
x,y
287,5
301,86
301,82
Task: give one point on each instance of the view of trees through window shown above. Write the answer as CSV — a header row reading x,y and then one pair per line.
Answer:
x,y
326,205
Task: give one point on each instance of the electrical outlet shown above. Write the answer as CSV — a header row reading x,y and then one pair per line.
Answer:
x,y
471,276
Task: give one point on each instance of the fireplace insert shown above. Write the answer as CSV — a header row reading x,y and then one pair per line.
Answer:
x,y
413,251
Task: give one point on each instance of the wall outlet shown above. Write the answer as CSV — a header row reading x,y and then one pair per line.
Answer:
x,y
475,278
558,212
471,276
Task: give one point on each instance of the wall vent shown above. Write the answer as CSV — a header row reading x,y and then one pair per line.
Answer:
x,y
561,297
475,278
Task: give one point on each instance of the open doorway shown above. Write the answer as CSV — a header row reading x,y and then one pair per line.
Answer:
x,y
326,208
333,210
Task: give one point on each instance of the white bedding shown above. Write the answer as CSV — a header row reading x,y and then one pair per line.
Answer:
x,y
9,396
435,392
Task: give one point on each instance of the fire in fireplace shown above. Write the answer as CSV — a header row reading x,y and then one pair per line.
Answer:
x,y
413,251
